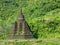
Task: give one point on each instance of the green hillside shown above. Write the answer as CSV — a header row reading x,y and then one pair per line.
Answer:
x,y
43,16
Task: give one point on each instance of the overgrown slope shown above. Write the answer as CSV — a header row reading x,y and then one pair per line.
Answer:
x,y
43,16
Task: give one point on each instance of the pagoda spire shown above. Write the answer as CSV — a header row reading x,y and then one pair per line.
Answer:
x,y
21,15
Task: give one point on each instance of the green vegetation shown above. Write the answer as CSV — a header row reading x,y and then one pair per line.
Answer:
x,y
30,42
43,17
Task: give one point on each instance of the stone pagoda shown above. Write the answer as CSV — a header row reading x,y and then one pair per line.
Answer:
x,y
20,29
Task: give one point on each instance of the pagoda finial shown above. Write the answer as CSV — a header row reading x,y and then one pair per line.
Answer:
x,y
20,10
21,15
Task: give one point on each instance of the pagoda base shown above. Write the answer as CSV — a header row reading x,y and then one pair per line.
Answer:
x,y
19,37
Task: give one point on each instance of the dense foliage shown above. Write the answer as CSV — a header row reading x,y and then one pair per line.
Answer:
x,y
43,16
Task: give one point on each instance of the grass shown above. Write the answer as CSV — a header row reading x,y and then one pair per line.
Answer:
x,y
52,41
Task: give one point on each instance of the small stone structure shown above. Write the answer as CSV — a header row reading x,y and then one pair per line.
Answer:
x,y
20,29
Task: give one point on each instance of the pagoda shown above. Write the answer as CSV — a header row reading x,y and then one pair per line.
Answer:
x,y
20,29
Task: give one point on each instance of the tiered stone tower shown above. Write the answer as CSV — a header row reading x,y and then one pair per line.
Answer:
x,y
20,29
